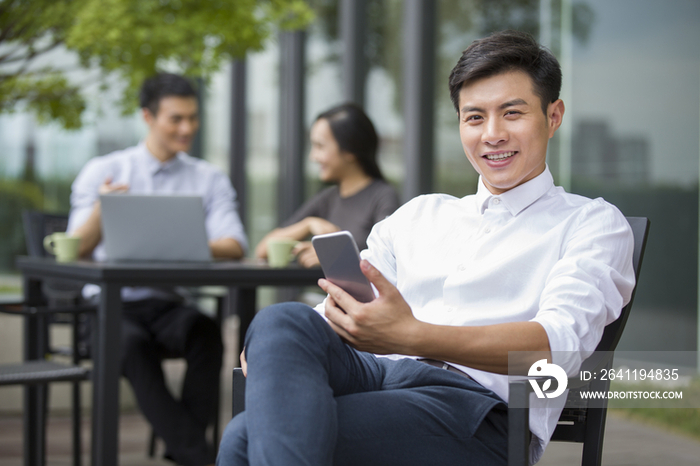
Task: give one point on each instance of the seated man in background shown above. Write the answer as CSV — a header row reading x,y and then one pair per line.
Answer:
x,y
519,266
157,321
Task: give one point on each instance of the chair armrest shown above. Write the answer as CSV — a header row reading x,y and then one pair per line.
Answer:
x,y
238,391
206,292
16,308
21,310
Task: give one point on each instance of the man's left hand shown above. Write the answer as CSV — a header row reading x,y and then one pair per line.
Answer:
x,y
385,325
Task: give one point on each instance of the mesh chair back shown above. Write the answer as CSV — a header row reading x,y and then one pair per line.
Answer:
x,y
38,225
613,331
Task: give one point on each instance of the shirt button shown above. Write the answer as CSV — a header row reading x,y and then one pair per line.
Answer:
x,y
496,201
461,268
488,230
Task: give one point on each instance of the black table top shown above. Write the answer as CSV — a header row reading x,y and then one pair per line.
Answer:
x,y
247,272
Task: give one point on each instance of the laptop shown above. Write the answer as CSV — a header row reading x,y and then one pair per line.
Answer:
x,y
154,228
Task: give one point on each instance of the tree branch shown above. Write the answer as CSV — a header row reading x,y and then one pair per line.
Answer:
x,y
7,58
18,14
28,57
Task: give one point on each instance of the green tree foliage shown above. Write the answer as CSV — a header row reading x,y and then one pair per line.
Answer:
x,y
29,30
131,38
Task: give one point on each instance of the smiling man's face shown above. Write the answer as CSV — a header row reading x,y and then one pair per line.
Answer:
x,y
173,128
503,130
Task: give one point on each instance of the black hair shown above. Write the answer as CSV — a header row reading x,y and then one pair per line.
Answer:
x,y
508,51
163,85
355,133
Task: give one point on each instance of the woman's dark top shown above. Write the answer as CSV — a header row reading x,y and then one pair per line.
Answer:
x,y
357,213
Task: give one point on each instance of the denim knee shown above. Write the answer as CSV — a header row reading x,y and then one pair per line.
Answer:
x,y
285,319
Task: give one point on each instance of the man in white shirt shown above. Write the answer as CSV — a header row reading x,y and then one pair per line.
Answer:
x,y
157,322
519,266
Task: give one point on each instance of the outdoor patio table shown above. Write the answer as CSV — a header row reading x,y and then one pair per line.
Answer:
x,y
244,275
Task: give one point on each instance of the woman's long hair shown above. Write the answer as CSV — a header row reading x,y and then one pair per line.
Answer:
x,y
355,133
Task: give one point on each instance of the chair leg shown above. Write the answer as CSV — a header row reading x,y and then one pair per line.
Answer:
x,y
592,454
215,433
518,423
152,444
594,435
215,420
77,428
238,400
43,417
220,310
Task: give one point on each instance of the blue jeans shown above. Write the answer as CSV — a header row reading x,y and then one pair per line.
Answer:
x,y
313,400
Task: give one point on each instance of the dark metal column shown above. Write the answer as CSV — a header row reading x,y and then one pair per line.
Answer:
x,y
238,153
197,148
291,170
352,34
419,95
238,141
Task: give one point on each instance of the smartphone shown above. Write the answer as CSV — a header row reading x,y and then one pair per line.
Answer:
x,y
340,261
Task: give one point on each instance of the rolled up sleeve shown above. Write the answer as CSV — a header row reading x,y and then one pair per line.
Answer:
x,y
223,220
588,287
85,192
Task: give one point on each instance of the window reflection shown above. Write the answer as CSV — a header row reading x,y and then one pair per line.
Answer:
x,y
634,113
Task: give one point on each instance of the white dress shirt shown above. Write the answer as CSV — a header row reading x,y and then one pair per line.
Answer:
x,y
534,253
145,174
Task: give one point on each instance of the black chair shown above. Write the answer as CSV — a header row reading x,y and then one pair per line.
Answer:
x,y
238,391
38,373
584,423
56,293
59,305
580,422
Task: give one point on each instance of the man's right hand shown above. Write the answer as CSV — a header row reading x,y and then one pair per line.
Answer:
x,y
90,232
108,187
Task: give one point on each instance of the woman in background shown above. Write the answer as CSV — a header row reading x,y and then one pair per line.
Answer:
x,y
344,145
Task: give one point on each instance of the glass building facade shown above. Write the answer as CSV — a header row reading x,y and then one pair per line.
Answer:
x,y
631,133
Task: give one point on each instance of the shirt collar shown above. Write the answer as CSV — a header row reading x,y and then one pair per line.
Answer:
x,y
153,165
518,198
